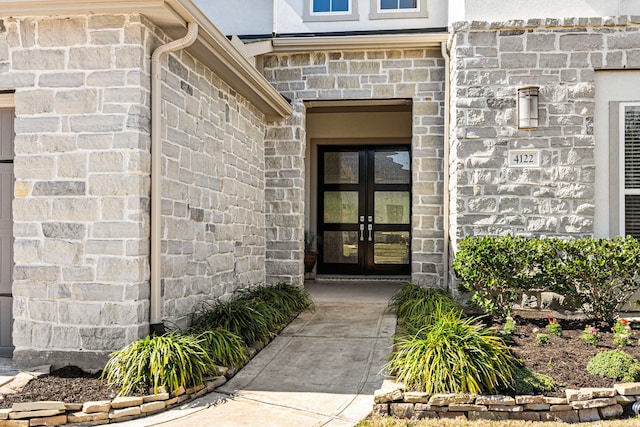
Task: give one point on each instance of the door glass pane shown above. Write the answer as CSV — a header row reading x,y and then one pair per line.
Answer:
x,y
340,207
391,247
632,147
341,168
340,6
340,247
321,5
391,207
392,167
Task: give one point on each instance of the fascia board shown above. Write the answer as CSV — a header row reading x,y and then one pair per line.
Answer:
x,y
381,41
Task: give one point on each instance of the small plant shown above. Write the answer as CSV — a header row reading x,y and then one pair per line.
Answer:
x,y
542,339
509,327
553,327
171,360
616,365
239,316
590,335
287,298
621,333
408,291
452,355
417,312
224,347
526,381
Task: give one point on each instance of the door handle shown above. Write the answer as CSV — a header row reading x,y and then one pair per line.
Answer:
x,y
362,232
370,227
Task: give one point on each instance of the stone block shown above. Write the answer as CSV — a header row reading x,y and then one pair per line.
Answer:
x,y
537,407
416,397
626,389
387,395
555,400
564,416
381,409
35,414
577,395
115,414
82,417
57,420
446,399
155,397
609,412
126,401
525,416
14,423
589,415
492,416
560,408
594,403
495,400
38,406
73,407
216,382
506,408
152,406
401,410
521,400
97,406
623,400
452,415
465,407
4,413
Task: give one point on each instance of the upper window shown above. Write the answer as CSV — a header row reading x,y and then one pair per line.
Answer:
x,y
330,10
385,9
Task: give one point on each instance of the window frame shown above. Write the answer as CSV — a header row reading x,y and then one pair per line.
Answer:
x,y
308,15
377,13
617,161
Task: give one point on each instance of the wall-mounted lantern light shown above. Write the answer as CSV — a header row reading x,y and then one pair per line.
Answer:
x,y
528,107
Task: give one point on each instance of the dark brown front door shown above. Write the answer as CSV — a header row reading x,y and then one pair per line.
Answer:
x,y
364,202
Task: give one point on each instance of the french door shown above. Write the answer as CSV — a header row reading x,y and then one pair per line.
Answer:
x,y
364,203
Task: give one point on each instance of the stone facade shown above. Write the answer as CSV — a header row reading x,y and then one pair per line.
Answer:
x,y
82,167
415,74
489,61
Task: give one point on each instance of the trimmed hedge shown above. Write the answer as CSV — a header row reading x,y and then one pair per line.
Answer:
x,y
597,275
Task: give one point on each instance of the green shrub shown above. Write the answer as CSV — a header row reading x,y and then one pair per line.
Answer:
x,y
497,270
224,347
171,360
417,312
542,339
409,291
509,327
526,381
597,275
240,316
616,365
288,299
452,355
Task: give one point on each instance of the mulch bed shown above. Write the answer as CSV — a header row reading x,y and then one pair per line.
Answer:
x,y
563,358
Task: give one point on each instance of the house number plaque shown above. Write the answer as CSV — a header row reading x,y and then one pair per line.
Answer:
x,y
524,158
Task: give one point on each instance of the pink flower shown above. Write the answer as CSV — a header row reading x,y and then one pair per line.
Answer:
x,y
593,330
628,328
623,336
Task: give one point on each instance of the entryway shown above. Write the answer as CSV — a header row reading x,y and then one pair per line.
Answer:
x,y
364,209
6,227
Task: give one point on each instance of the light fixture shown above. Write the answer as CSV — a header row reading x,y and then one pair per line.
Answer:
x,y
528,107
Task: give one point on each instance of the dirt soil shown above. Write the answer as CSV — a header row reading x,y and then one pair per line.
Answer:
x,y
563,358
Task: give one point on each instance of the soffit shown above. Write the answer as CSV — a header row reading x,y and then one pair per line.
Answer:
x,y
359,42
212,47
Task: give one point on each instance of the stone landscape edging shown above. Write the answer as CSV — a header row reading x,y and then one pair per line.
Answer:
x,y
581,405
123,408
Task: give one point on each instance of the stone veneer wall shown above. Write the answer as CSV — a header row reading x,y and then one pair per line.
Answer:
x,y
213,189
416,74
489,62
82,162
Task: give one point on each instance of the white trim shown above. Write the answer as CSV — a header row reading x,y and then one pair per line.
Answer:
x,y
7,100
308,15
375,12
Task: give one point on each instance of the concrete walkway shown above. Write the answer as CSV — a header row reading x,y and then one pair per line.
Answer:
x,y
321,370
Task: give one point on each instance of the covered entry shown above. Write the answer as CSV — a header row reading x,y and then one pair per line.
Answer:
x,y
6,223
358,199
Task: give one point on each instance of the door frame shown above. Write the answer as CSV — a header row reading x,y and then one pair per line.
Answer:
x,y
366,147
6,300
